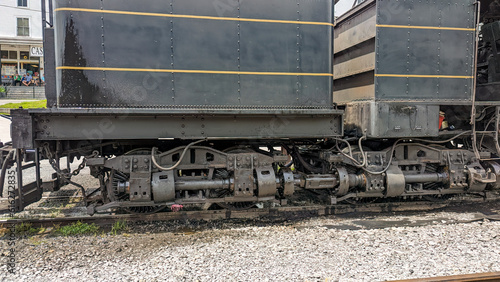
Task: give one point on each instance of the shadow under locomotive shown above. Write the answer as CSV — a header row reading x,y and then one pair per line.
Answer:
x,y
239,109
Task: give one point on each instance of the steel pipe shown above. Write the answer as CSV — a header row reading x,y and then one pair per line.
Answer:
x,y
426,177
202,184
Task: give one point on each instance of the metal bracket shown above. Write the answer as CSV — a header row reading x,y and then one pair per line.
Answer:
x,y
395,181
163,186
343,181
288,186
266,181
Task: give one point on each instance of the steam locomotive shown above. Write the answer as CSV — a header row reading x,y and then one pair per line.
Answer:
x,y
231,103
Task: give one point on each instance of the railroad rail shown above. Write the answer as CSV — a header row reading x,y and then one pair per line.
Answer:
x,y
490,276
275,213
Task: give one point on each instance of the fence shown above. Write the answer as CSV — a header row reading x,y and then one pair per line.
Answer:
x,y
23,92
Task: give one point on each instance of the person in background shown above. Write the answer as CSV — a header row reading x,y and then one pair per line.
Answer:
x,y
17,79
42,80
29,80
36,79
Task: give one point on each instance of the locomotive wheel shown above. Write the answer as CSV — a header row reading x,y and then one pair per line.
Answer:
x,y
237,206
145,209
437,198
360,201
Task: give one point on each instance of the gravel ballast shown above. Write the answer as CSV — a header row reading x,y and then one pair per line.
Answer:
x,y
320,249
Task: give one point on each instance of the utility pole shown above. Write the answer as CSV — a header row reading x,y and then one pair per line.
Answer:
x,y
1,65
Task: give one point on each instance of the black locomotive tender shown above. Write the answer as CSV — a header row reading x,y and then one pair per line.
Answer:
x,y
186,101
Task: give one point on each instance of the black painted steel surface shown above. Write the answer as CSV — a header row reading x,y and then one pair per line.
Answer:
x,y
406,51
425,50
397,62
206,54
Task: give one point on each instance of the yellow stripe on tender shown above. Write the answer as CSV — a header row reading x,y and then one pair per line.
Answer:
x,y
194,71
425,27
190,16
423,76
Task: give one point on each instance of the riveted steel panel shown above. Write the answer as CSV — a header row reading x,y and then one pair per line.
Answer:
x,y
135,124
194,53
423,89
423,57
430,44
392,120
22,130
424,51
50,67
435,13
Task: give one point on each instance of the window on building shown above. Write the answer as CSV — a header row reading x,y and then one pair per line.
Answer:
x,y
22,3
11,55
24,55
23,27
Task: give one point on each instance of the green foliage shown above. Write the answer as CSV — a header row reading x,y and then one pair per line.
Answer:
x,y
27,229
119,226
77,228
36,242
2,89
26,105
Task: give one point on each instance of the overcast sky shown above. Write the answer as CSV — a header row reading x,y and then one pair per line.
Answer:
x,y
343,6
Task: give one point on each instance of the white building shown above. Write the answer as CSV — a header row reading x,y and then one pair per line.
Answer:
x,y
20,37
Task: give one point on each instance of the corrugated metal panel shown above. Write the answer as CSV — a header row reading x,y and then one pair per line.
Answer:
x,y
354,59
354,32
357,65
353,94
